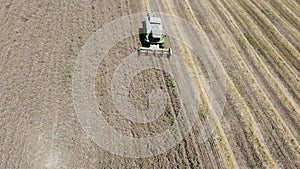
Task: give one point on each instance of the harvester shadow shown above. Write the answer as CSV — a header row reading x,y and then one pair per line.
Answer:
x,y
142,34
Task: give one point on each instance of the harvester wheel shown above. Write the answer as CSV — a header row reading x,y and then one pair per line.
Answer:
x,y
162,46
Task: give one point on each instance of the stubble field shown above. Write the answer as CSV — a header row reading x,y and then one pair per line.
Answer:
x,y
257,42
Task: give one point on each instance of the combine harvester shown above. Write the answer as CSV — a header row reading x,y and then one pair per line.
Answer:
x,y
154,40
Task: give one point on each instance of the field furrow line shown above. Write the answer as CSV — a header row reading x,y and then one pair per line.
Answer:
x,y
187,146
156,7
286,30
284,103
236,7
292,5
286,13
294,143
259,142
265,78
254,131
269,54
228,155
283,46
289,135
167,5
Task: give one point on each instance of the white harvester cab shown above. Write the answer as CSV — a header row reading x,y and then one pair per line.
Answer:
x,y
154,39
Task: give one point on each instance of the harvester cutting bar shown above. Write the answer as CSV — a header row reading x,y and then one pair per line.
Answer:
x,y
155,51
